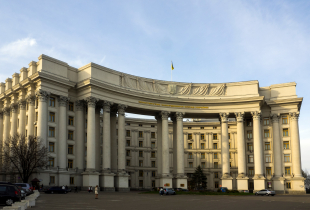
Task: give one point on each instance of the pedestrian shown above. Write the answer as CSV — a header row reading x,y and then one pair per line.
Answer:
x,y
63,187
161,191
96,192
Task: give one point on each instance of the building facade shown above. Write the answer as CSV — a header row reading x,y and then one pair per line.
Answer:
x,y
243,136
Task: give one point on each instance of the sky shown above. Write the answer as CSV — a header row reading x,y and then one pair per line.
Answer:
x,y
208,41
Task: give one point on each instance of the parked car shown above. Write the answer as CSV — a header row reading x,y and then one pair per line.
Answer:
x,y
53,190
26,187
265,192
9,194
22,192
169,191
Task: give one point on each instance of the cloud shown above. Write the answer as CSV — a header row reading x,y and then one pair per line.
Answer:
x,y
18,48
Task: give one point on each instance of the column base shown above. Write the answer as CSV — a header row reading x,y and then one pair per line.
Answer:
x,y
180,182
121,182
297,185
90,179
227,181
259,183
242,182
165,181
106,182
278,184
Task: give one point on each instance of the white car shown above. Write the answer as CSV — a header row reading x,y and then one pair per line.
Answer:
x,y
25,186
265,192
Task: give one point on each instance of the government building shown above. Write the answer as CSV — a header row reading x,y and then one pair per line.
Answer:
x,y
245,137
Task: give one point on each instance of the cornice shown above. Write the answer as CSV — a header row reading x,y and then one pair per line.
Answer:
x,y
54,60
284,101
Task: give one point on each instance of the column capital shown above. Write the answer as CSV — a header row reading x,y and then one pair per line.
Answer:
x,y
80,104
63,100
256,114
107,106
6,111
239,116
121,109
275,117
31,99
224,117
294,115
22,104
158,116
164,115
1,115
179,115
91,101
42,95
14,107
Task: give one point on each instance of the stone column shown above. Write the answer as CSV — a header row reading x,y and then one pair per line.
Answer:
x,y
14,110
98,138
166,179
113,141
91,176
121,180
181,177
79,136
106,178
1,130
226,178
159,150
259,179
42,116
174,135
22,117
31,114
242,179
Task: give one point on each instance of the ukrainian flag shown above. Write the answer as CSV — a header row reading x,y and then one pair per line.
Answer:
x,y
172,66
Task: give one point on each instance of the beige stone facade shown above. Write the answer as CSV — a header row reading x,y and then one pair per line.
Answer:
x,y
244,136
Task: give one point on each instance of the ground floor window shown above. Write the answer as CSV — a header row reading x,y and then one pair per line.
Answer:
x,y
52,179
70,163
287,170
251,185
71,180
268,171
216,184
140,183
216,174
129,183
288,185
153,183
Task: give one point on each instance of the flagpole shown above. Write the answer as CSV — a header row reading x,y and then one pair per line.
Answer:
x,y
171,75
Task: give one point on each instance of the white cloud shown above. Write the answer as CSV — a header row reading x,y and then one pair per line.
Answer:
x,y
18,48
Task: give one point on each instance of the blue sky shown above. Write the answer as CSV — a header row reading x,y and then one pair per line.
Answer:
x,y
208,41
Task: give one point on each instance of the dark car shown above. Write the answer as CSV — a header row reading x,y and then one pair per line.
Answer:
x,y
9,194
53,190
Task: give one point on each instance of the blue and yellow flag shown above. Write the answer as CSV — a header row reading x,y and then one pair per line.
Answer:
x,y
172,66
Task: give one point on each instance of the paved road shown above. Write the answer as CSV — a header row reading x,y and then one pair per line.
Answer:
x,y
135,201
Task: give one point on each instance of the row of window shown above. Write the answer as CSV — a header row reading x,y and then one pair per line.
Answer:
x,y
52,180
52,162
128,134
51,133
52,104
153,163
52,118
51,148
287,158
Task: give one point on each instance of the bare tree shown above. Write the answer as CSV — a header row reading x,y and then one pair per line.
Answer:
x,y
24,155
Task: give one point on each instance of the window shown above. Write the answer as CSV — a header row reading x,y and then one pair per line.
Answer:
x,y
251,171
202,136
268,171
190,146
70,135
268,158
216,174
52,179
51,162
248,123
228,135
71,106
284,119
215,136
202,127
153,173
70,163
229,145
51,147
202,146
203,165
190,164
140,153
203,155
128,133
26,133
153,135
215,156
127,162
250,158
249,134
153,164
153,183
285,132
190,155
288,185
214,145
286,145
70,121
250,147
71,180
266,133
127,123
52,101
230,155
216,184
127,143
216,164
214,127
266,121
27,120
140,125
51,132
287,170
37,116
153,145
287,158
70,149
140,183
140,143
152,126
140,173
267,145
127,152
189,127
140,134
52,117
189,136
140,163
153,155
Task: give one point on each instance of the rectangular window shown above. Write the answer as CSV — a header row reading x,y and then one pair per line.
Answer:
x,y
230,155
249,123
215,136
52,101
153,183
153,164
26,133
268,158
140,163
153,155
52,117
51,162
70,120
249,134
70,135
203,155
128,133
202,136
140,125
266,133
127,143
202,127
27,120
140,153
288,185
153,145
140,183
215,156
127,152
216,184
152,126
127,162
266,121
287,170
52,179
251,171
284,119
228,135
71,106
190,155
70,149
51,132
190,164
189,136
189,127
267,145
153,135
286,145
71,180
287,158
229,145
202,145
285,132
70,163
51,147
268,171
153,173
250,158
140,173
140,134
140,143
251,185
37,116
216,174
203,165
190,146
214,145
214,127
216,164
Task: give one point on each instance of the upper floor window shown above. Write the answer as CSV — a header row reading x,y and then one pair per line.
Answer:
x,y
70,120
51,132
51,162
229,136
249,123
250,158
202,136
70,163
71,107
249,134
203,164
140,134
140,173
189,136
202,145
70,135
152,126
140,143
215,156
267,145
70,149
268,171
127,143
190,146
153,155
127,162
286,145
153,145
140,153
287,170
251,171
190,155
216,164
203,155
52,101
266,120
153,164
202,128
285,132
189,127
51,147
127,152
215,136
128,133
266,133
250,146
140,163
268,158
284,119
214,145
287,158
190,164
140,125
153,135
52,117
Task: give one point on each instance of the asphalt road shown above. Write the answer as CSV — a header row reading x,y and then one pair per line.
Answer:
x,y
135,201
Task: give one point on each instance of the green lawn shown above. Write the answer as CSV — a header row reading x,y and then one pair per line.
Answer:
x,y
200,193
